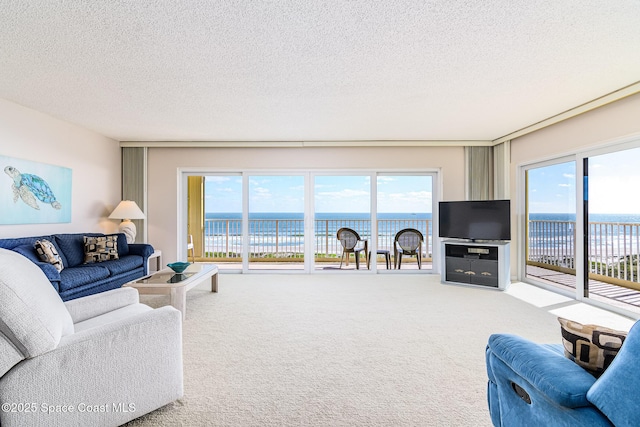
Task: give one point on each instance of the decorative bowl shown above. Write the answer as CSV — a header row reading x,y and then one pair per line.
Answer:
x,y
179,267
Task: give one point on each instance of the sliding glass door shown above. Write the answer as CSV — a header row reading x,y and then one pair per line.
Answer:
x,y
276,222
404,201
582,226
612,212
255,221
221,234
551,224
342,201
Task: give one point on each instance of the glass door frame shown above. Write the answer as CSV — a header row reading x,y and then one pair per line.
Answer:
x,y
246,178
579,156
522,197
436,241
309,176
372,247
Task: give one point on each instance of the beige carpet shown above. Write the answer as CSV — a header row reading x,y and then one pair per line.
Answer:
x,y
341,350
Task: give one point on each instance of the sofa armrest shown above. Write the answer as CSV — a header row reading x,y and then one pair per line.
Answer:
x,y
559,379
94,305
123,369
142,249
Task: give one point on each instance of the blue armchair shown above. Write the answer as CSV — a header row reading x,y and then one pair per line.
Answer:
x,y
536,385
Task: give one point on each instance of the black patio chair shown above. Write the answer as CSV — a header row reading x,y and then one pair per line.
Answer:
x,y
407,242
352,243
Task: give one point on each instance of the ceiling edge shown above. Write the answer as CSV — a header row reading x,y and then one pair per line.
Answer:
x,y
303,144
609,98
617,95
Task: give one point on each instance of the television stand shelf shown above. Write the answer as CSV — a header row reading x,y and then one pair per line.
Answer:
x,y
483,264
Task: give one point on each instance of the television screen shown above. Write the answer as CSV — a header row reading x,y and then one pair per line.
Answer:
x,y
475,220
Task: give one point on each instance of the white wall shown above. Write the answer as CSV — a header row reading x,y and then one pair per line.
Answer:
x,y
590,130
163,165
93,159
586,131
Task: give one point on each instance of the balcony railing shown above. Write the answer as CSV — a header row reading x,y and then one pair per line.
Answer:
x,y
284,238
613,251
552,243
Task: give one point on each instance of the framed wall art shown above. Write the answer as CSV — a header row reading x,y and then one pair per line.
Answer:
x,y
34,193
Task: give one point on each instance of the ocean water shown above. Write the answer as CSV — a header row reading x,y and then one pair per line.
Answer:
x,y
318,215
610,236
285,231
555,237
615,218
329,222
326,222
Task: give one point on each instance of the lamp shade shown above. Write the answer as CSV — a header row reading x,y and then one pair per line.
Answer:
x,y
127,209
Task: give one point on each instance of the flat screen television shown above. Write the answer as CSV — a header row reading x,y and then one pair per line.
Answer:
x,y
475,220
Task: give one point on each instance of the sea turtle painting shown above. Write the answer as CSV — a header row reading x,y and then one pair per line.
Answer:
x,y
29,187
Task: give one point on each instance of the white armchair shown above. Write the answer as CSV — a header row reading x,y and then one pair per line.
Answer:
x,y
100,360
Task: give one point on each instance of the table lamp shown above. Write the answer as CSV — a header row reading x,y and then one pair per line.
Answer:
x,y
126,211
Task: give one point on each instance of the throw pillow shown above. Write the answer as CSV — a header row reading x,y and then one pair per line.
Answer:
x,y
98,249
592,347
48,253
123,246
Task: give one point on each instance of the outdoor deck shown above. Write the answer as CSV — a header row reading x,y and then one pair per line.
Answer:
x,y
612,293
407,265
279,244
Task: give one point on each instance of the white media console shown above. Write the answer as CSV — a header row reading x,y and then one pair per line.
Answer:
x,y
485,264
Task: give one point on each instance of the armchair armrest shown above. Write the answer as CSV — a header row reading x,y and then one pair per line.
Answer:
x,y
559,379
133,364
49,270
52,274
94,305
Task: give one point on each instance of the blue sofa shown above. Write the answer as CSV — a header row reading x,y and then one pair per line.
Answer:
x,y
536,385
78,279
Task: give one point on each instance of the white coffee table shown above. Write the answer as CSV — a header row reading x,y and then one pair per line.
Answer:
x,y
167,282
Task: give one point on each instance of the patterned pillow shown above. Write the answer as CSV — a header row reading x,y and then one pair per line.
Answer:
x,y
98,249
48,253
590,346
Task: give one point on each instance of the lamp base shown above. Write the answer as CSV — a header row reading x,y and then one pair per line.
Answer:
x,y
129,229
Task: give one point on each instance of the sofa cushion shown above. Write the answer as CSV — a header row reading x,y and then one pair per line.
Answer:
x,y
123,265
71,247
592,347
19,241
28,251
123,246
32,315
100,248
81,275
48,253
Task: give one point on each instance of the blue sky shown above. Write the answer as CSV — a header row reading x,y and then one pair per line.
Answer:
x,y
332,194
613,185
552,189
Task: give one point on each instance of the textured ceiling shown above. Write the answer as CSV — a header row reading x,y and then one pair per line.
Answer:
x,y
291,70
